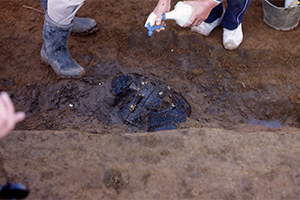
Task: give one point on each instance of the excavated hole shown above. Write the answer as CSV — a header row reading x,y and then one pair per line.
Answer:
x,y
224,88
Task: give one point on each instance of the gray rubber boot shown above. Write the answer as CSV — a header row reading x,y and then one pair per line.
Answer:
x,y
82,26
55,51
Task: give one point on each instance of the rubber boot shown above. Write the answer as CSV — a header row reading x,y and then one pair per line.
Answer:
x,y
206,28
55,51
214,20
82,26
232,38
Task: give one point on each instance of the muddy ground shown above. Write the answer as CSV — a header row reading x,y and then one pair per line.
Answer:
x,y
256,84
225,88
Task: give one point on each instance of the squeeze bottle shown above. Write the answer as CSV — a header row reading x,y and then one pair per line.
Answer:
x,y
181,13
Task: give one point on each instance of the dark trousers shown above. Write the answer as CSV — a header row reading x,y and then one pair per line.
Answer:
x,y
233,15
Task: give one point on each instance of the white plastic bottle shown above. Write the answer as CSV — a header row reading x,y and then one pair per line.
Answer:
x,y
290,3
181,13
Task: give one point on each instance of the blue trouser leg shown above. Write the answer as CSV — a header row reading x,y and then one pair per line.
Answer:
x,y
215,13
234,13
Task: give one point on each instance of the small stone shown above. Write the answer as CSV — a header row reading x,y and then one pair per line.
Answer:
x,y
197,72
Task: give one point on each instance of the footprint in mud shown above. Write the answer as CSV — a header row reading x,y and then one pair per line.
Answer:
x,y
148,104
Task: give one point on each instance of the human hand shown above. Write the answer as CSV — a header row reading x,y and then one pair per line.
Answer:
x,y
155,17
162,7
8,117
202,9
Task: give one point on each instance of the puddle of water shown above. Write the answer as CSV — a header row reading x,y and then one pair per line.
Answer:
x,y
269,124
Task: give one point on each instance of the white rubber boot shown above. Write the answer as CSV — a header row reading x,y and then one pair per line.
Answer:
x,y
232,38
205,28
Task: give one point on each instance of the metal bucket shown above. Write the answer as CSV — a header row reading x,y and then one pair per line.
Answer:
x,y
280,18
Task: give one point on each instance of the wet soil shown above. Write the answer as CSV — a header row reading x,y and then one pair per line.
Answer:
x,y
73,144
258,81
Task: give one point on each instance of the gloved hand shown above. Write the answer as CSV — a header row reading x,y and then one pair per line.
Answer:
x,y
151,24
8,117
154,18
151,19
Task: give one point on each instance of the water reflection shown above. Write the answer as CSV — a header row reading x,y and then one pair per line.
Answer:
x,y
269,124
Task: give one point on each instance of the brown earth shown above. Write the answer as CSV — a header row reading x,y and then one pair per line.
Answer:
x,y
205,163
255,84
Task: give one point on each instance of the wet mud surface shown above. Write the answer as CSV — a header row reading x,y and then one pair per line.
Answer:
x,y
148,104
73,143
259,81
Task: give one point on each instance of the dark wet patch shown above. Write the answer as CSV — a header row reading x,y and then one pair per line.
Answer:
x,y
148,104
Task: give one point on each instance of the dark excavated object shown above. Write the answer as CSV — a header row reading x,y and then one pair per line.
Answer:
x,y
148,104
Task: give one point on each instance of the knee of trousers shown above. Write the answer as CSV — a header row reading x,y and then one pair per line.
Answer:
x,y
63,11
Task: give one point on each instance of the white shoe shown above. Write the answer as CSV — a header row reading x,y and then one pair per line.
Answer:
x,y
232,38
205,28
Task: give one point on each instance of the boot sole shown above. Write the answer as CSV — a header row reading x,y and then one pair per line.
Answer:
x,y
88,32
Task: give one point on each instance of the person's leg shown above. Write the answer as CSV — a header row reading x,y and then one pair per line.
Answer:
x,y
214,19
80,25
215,13
63,11
234,13
56,31
44,5
232,23
55,51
